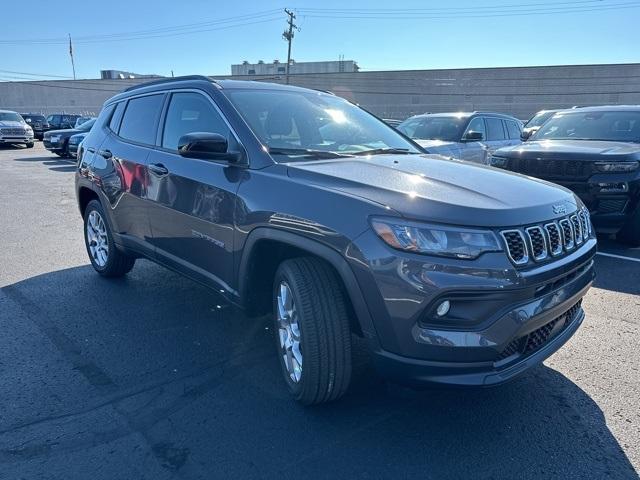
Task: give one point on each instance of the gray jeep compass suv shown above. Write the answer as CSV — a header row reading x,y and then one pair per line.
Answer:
x,y
299,203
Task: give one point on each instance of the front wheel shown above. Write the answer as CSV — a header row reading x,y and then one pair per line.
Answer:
x,y
630,233
312,330
29,145
105,258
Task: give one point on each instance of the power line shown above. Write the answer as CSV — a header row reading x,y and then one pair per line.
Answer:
x,y
169,31
409,15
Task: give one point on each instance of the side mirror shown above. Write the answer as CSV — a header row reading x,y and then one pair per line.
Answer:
x,y
206,146
526,134
472,136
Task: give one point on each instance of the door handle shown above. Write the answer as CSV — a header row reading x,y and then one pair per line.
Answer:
x,y
105,154
91,150
159,169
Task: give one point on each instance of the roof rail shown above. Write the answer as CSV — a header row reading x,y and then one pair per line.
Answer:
x,y
168,80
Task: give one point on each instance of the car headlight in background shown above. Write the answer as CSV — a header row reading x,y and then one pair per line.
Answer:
x,y
616,167
499,162
444,241
54,138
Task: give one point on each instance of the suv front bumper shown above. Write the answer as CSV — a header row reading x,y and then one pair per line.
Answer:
x,y
503,321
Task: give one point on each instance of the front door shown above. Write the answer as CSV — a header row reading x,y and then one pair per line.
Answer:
x,y
474,151
193,200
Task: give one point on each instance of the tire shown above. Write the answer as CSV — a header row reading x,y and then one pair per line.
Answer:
x,y
318,305
29,145
630,233
110,262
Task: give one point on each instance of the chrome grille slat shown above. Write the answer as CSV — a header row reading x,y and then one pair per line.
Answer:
x,y
567,234
537,243
555,238
577,229
516,246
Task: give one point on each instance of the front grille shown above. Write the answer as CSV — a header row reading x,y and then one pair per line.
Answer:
x,y
537,243
550,169
13,131
516,246
555,238
613,205
538,338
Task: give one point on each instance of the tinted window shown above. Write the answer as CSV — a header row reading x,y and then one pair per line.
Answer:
x,y
539,118
477,125
114,123
434,127
513,129
288,121
188,113
494,129
622,126
141,118
10,117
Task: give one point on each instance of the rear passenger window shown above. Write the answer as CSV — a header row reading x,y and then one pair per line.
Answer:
x,y
494,129
114,123
513,129
191,112
141,119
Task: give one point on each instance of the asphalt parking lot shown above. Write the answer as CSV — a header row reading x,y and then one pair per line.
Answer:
x,y
153,376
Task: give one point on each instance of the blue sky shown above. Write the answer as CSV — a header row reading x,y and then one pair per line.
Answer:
x,y
606,35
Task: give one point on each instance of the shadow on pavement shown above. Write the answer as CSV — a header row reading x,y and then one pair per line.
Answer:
x,y
54,163
162,363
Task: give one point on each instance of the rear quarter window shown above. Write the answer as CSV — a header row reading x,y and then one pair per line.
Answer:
x,y
513,129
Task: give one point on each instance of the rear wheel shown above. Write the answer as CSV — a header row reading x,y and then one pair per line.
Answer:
x,y
630,233
105,258
312,330
29,145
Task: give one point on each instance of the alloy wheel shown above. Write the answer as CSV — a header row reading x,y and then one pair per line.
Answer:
x,y
97,239
289,333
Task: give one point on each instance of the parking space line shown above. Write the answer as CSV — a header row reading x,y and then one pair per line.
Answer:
x,y
620,257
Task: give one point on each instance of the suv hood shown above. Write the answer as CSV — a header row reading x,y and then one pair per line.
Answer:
x,y
436,189
573,150
12,123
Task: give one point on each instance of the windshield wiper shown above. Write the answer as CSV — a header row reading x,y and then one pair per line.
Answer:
x,y
308,153
382,151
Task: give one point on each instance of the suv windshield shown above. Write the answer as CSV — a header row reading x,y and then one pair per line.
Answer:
x,y
33,118
448,129
621,126
538,119
10,117
312,125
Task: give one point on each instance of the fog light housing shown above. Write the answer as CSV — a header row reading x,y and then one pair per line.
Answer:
x,y
613,187
443,308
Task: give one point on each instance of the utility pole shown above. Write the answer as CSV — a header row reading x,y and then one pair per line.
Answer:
x,y
73,65
288,36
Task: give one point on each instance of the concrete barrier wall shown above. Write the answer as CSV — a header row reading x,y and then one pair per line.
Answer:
x,y
395,94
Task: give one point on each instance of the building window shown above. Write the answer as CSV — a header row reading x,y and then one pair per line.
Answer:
x,y
281,70
252,72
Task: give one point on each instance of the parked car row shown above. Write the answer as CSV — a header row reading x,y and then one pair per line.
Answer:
x,y
14,130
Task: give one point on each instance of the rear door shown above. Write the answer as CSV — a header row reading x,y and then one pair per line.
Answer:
x,y
122,163
193,200
496,135
514,130
475,151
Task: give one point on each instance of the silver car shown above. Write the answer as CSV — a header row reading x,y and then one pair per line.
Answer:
x,y
471,136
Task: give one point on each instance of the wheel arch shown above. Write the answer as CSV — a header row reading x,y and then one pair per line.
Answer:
x,y
265,248
85,195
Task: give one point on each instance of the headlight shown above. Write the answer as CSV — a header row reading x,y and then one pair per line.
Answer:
x,y
616,167
499,162
444,241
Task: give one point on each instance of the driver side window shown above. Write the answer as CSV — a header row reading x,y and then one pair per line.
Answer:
x,y
477,125
191,112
